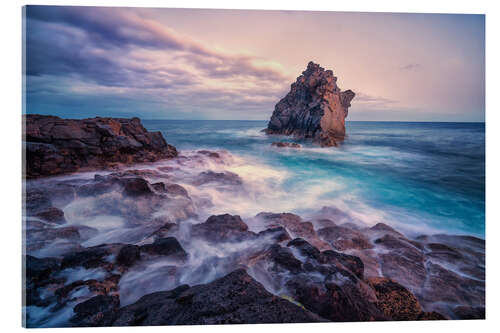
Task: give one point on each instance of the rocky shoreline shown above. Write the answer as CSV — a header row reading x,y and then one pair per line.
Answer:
x,y
56,146
134,246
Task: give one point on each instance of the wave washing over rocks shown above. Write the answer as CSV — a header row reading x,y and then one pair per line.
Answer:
x,y
181,241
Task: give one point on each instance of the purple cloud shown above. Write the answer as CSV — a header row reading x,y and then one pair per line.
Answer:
x,y
116,51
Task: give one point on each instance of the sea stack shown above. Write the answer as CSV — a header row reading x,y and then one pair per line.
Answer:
x,y
315,108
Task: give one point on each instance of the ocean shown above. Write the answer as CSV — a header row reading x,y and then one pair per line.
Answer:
x,y
420,177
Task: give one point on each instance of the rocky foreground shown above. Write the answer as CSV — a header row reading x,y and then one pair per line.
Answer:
x,y
55,146
315,108
165,264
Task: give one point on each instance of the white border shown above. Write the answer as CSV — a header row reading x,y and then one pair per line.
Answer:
x,y
10,131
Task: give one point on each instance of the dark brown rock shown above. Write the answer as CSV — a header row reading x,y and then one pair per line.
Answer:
x,y
233,299
36,200
222,228
394,300
281,259
128,255
278,234
333,301
286,145
352,263
431,316
226,178
40,269
469,312
52,214
315,108
342,238
305,249
442,285
295,225
169,246
57,146
88,258
96,311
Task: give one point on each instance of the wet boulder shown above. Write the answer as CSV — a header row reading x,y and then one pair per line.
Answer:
x,y
278,234
168,246
224,178
352,263
88,258
282,144
40,269
222,228
394,300
233,299
295,225
403,262
135,187
209,153
469,312
334,299
128,255
36,199
96,311
304,248
342,238
443,285
52,215
282,258
433,315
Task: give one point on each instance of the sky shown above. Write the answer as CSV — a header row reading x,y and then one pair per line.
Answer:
x,y
159,63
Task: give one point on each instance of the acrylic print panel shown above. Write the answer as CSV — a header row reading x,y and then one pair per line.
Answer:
x,y
188,166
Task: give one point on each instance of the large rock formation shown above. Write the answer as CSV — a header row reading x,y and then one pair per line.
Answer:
x,y
56,146
315,108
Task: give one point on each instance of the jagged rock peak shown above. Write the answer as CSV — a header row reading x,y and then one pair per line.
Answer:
x,y
315,108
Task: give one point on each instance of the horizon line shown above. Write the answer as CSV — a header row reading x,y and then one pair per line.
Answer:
x,y
374,121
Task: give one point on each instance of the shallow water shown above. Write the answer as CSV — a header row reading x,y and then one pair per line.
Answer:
x,y
420,177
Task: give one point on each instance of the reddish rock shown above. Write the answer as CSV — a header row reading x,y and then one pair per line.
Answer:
x,y
278,234
442,285
304,248
315,108
211,154
333,301
280,259
286,145
431,316
57,146
342,238
222,228
352,263
394,300
295,225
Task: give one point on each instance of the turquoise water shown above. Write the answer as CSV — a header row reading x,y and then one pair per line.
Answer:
x,y
421,177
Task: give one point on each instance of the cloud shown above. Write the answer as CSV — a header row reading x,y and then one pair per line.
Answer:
x,y
106,54
411,67
375,102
